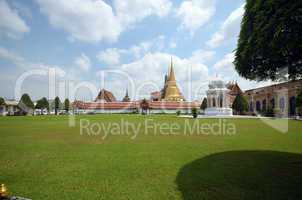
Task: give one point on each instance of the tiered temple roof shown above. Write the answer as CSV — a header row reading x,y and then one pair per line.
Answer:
x,y
234,89
105,96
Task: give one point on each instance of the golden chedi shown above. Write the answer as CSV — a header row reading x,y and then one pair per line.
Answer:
x,y
171,91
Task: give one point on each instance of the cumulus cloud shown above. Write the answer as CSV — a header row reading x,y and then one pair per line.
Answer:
x,y
202,56
11,24
155,44
87,20
83,62
131,11
112,56
95,20
226,63
10,56
195,13
229,29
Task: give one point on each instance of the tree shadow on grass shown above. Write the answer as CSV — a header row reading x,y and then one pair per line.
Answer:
x,y
250,175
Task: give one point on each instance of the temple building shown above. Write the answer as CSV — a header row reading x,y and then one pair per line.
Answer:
x,y
170,91
126,98
105,96
234,90
168,100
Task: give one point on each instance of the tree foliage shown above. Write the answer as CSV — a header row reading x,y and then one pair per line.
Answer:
x,y
66,105
194,112
204,104
42,104
26,104
2,101
299,100
240,104
270,41
57,105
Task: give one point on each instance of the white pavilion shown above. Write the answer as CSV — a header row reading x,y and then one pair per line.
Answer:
x,y
218,101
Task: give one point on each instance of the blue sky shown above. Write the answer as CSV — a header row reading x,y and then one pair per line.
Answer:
x,y
82,38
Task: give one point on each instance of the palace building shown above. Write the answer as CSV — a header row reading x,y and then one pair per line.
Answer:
x,y
281,97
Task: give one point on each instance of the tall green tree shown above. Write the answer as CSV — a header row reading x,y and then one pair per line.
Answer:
x,y
2,101
194,112
204,104
42,104
66,105
57,105
45,103
269,45
26,104
240,104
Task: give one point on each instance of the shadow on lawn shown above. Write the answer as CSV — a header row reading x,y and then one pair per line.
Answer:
x,y
243,175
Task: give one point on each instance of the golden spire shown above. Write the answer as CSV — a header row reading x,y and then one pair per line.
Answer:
x,y
171,73
171,91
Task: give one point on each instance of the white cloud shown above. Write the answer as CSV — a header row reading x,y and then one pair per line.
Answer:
x,y
11,24
95,20
195,13
110,56
173,45
132,11
83,62
225,64
202,56
10,56
155,44
89,20
229,29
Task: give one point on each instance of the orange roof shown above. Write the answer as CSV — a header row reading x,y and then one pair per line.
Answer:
x,y
173,105
235,89
106,96
106,105
135,104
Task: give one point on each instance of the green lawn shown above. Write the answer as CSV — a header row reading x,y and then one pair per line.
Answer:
x,y
43,158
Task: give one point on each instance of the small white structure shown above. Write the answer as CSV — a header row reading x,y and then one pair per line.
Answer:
x,y
218,101
10,107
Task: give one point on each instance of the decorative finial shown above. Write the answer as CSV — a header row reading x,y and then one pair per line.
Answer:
x,y
3,191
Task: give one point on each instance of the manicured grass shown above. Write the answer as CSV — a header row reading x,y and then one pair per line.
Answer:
x,y
43,158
